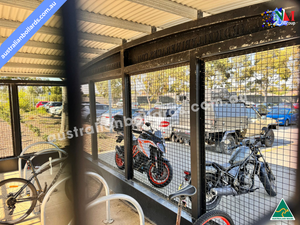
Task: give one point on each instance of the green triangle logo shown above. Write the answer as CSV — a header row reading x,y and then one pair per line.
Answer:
x,y
282,212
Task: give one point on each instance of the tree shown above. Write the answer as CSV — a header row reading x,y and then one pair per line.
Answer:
x,y
272,66
116,87
56,94
218,74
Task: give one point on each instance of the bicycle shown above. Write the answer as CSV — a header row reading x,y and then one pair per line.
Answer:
x,y
211,217
19,196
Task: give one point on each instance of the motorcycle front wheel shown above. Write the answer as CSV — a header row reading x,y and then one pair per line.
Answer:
x,y
214,217
119,162
163,179
268,180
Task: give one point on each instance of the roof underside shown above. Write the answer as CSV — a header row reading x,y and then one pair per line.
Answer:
x,y
103,25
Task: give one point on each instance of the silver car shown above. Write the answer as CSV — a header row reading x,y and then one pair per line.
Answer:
x,y
163,117
86,112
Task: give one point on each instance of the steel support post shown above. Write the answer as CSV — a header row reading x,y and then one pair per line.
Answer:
x,y
15,119
76,157
197,126
127,114
93,118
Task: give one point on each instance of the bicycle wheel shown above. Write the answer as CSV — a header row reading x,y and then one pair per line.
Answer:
x,y
93,188
14,209
214,217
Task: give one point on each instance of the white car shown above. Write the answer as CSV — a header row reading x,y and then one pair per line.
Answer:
x,y
163,117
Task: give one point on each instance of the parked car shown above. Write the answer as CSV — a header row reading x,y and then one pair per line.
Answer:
x,y
56,111
163,117
86,112
283,116
120,103
261,109
226,124
133,104
52,104
296,105
53,109
41,104
269,105
104,119
139,119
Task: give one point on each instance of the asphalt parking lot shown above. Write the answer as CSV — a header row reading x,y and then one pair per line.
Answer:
x,y
244,208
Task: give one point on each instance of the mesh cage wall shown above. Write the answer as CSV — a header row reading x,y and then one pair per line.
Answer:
x,y
6,148
160,105
41,113
261,103
109,103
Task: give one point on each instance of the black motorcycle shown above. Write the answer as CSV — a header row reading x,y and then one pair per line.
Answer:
x,y
148,156
237,176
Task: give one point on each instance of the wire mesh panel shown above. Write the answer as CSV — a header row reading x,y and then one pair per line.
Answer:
x,y
42,117
161,125
109,103
86,119
6,147
251,112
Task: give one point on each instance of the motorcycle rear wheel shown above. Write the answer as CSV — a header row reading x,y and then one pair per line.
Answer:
x,y
211,201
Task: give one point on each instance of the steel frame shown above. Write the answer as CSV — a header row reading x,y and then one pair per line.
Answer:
x,y
195,42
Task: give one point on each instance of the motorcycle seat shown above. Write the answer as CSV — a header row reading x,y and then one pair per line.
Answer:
x,y
223,166
184,192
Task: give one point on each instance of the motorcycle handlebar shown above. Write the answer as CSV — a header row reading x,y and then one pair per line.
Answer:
x,y
230,148
136,131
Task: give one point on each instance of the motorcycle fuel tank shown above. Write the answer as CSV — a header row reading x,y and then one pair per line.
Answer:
x,y
239,155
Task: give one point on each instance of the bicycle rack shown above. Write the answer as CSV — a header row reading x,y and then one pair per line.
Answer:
x,y
29,146
101,179
95,175
120,197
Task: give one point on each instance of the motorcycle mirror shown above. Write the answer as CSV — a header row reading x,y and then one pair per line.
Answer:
x,y
147,124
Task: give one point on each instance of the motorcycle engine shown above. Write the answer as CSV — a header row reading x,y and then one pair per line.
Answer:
x,y
244,176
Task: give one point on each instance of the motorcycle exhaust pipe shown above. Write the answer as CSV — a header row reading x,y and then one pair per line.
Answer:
x,y
223,191
119,151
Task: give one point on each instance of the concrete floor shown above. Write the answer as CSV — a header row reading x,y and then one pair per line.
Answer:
x,y
59,208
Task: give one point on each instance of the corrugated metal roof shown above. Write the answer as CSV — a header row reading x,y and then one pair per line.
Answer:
x,y
128,11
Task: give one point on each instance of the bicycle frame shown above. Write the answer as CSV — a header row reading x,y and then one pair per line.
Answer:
x,y
42,169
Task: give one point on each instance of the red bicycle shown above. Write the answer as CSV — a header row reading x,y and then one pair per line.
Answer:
x,y
211,217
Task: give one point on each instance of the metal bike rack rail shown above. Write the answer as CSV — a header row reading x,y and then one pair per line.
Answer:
x,y
29,146
120,197
95,175
47,196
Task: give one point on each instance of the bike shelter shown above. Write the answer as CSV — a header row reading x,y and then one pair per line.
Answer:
x,y
234,50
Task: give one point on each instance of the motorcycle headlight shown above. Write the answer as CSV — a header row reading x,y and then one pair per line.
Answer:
x,y
162,147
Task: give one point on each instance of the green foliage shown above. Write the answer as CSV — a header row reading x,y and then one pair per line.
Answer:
x,y
24,100
102,136
116,88
45,137
56,94
34,129
42,111
4,112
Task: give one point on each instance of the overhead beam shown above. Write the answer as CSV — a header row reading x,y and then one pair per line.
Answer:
x,y
170,7
86,16
45,57
58,32
38,56
4,74
113,22
33,66
39,44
